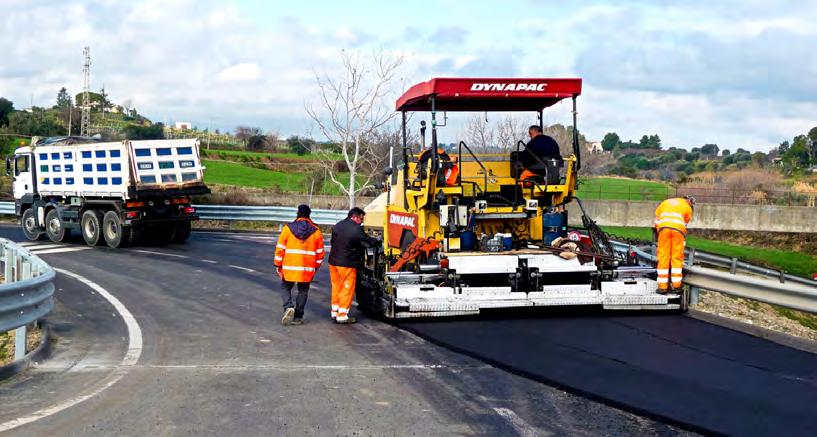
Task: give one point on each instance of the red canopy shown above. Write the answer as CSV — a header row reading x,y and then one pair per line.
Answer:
x,y
483,94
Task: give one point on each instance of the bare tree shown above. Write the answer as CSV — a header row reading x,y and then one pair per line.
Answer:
x,y
509,130
352,107
479,134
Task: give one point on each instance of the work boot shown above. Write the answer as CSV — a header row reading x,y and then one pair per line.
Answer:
x,y
289,314
297,321
662,291
348,321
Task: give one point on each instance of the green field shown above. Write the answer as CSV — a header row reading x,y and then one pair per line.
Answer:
x,y
794,263
234,174
608,188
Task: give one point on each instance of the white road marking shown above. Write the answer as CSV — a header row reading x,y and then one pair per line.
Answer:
x,y
28,243
209,261
37,251
130,359
523,428
33,245
241,268
162,253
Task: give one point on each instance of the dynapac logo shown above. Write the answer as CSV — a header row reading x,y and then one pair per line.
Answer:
x,y
508,87
402,220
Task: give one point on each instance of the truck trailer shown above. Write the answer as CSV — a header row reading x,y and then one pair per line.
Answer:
x,y
463,232
110,192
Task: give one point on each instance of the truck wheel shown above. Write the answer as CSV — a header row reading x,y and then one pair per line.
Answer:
x,y
182,232
54,227
29,224
115,234
91,226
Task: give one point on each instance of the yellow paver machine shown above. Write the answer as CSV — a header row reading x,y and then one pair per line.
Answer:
x,y
463,232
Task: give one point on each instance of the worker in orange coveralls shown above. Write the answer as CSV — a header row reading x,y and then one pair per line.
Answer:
x,y
348,243
298,255
671,219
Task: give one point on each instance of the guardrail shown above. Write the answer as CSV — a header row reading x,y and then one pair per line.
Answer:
x,y
26,293
265,213
762,284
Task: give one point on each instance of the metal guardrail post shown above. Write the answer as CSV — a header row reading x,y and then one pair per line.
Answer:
x,y
733,268
694,292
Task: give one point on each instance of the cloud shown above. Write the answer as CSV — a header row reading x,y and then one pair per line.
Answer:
x,y
246,72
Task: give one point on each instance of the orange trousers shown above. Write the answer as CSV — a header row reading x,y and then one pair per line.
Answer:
x,y
343,290
670,268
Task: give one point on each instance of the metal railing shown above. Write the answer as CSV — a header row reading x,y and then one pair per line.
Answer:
x,y
26,294
760,283
719,196
265,214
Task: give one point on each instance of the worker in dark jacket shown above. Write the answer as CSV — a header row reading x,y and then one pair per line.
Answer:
x,y
539,149
348,243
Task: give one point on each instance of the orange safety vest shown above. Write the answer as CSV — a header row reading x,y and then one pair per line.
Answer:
x,y
299,259
674,214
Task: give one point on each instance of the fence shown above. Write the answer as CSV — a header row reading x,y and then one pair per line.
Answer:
x,y
26,293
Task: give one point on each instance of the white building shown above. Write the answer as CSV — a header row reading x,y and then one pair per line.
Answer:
x,y
183,125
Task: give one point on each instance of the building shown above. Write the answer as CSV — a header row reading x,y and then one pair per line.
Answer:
x,y
183,125
595,147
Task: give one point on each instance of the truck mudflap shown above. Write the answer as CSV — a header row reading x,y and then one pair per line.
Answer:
x,y
423,300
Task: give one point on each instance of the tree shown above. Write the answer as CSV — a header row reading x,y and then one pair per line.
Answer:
x,y
758,159
479,135
153,132
256,143
6,108
352,107
243,133
710,150
797,156
725,152
63,99
300,146
610,141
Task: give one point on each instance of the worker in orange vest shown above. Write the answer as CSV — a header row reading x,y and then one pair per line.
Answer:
x,y
671,219
348,243
298,255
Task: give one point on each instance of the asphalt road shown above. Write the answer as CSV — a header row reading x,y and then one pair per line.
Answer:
x,y
214,360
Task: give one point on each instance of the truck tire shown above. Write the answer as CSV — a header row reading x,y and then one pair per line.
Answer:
x,y
54,227
29,224
115,234
91,227
182,232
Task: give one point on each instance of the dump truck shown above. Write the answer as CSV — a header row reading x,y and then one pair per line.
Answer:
x,y
109,192
462,232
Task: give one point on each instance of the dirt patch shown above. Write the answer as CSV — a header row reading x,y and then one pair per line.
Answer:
x,y
791,322
7,343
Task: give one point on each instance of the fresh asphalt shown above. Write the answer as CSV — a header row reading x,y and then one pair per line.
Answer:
x,y
216,361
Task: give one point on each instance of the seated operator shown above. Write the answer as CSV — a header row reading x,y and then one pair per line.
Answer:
x,y
449,170
538,151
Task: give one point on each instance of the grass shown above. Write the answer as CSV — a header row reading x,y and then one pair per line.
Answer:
x,y
794,263
234,174
609,188
805,319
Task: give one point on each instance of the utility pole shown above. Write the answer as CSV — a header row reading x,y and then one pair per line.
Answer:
x,y
70,113
84,129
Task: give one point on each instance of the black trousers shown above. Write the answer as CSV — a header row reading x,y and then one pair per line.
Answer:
x,y
300,300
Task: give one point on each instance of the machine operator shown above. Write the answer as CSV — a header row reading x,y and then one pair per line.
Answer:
x,y
539,150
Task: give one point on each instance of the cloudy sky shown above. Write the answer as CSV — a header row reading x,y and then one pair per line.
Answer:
x,y
736,73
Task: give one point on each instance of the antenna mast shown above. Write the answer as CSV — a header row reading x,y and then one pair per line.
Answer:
x,y
85,125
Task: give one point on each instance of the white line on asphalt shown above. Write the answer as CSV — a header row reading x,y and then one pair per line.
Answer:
x,y
162,253
37,251
130,359
241,268
252,367
35,246
28,243
209,261
523,428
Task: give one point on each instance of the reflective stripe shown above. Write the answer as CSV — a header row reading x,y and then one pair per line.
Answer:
x,y
662,271
334,314
279,258
319,251
334,307
670,220
300,252
343,310
678,271
663,280
299,268
671,214
342,318
318,262
281,246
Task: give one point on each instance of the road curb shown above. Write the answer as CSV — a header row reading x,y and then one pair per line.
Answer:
x,y
756,331
40,353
